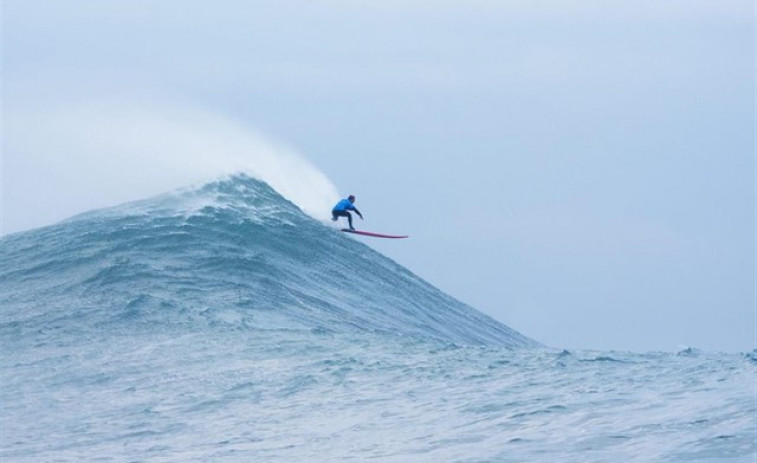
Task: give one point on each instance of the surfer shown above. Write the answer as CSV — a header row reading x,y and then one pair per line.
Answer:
x,y
342,209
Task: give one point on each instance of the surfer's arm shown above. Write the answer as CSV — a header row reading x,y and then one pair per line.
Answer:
x,y
358,213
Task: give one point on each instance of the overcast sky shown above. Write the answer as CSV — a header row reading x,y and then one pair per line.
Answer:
x,y
581,171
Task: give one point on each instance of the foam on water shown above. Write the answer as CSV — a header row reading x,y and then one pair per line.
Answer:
x,y
223,324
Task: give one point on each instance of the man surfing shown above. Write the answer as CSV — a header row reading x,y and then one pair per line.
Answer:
x,y
342,209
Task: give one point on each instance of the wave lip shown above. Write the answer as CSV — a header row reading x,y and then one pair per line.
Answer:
x,y
232,254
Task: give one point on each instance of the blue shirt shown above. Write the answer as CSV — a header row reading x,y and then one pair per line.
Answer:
x,y
344,205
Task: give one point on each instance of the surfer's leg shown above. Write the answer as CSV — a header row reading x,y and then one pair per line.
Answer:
x,y
336,214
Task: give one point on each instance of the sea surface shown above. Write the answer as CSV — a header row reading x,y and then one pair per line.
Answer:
x,y
214,325
242,396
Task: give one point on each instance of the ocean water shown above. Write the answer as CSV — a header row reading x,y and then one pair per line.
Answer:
x,y
222,324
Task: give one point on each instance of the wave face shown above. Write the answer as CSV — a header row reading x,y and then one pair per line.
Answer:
x,y
233,253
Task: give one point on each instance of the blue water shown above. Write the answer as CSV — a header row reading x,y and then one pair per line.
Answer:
x,y
222,324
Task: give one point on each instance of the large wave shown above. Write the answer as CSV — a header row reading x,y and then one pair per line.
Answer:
x,y
232,253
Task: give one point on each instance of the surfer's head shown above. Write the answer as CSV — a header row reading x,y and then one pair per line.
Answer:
x,y
351,198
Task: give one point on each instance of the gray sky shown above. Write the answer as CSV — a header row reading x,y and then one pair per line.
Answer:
x,y
584,173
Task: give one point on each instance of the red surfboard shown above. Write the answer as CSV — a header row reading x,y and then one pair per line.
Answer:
x,y
376,235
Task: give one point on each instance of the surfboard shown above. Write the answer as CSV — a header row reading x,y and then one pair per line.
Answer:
x,y
375,235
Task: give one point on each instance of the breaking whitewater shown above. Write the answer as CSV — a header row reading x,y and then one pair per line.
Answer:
x,y
222,324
